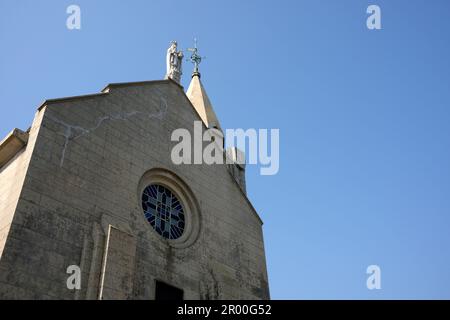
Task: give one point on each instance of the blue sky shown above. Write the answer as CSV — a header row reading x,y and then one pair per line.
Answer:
x,y
363,116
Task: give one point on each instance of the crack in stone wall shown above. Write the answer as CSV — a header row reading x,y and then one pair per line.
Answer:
x,y
73,132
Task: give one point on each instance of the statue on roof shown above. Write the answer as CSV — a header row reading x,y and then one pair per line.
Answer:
x,y
174,59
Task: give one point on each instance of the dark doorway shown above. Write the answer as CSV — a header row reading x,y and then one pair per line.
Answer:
x,y
164,291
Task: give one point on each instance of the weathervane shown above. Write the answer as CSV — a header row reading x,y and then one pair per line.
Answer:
x,y
195,58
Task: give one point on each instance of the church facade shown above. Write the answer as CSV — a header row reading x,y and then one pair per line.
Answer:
x,y
92,207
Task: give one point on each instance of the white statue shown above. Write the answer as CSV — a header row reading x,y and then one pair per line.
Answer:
x,y
174,59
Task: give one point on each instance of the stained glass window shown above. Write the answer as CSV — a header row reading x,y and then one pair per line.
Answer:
x,y
163,211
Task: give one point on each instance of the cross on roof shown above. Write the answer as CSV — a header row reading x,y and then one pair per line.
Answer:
x,y
195,58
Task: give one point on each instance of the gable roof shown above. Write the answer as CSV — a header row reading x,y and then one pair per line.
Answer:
x,y
105,91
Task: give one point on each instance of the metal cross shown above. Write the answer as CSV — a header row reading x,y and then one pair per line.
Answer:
x,y
195,58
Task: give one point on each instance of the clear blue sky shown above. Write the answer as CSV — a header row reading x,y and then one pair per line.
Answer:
x,y
363,116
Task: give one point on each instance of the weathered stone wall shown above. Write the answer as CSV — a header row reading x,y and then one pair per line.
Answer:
x,y
83,177
12,175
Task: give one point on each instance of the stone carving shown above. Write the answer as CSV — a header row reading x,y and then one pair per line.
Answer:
x,y
174,59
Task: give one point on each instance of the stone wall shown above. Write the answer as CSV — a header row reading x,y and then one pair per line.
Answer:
x,y
12,175
83,179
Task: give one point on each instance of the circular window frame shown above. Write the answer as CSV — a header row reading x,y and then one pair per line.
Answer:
x,y
172,229
181,190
